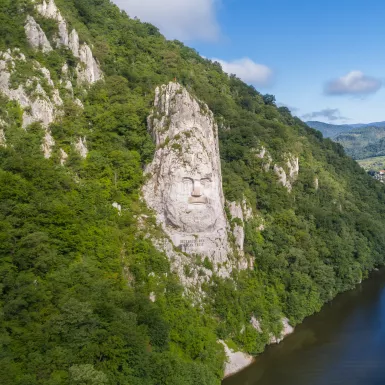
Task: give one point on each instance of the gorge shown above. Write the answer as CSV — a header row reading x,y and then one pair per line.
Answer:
x,y
157,215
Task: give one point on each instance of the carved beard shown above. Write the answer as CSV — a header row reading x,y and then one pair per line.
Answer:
x,y
198,219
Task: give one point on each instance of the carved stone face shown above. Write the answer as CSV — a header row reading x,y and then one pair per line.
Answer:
x,y
185,183
192,200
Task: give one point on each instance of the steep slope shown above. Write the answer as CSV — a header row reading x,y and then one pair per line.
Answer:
x,y
101,280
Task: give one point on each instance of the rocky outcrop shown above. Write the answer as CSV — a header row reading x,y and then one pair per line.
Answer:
x,y
50,11
3,140
48,144
287,329
236,361
118,207
63,157
152,297
288,178
240,213
184,185
255,323
36,36
88,70
37,104
264,154
81,147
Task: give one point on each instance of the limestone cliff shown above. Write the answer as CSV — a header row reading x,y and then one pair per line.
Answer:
x,y
36,36
40,98
88,70
184,185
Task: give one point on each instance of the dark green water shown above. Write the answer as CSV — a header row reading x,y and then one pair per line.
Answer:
x,y
344,344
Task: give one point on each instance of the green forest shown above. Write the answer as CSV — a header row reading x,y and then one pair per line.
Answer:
x,y
363,143
75,276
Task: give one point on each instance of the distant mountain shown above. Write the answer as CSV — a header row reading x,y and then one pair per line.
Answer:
x,y
330,130
364,142
362,125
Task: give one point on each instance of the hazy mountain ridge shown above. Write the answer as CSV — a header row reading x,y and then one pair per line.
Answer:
x,y
330,130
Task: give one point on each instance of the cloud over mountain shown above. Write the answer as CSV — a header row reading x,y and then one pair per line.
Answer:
x,y
353,83
182,20
331,114
248,70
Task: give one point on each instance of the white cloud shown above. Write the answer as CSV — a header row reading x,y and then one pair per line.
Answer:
x,y
177,19
247,70
354,83
330,114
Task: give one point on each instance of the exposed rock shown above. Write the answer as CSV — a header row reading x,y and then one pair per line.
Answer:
x,y
293,166
81,147
181,263
47,75
267,165
184,184
88,69
73,43
316,183
256,324
48,143
64,69
118,207
36,36
91,73
247,211
238,231
262,154
50,11
3,141
37,105
152,297
236,361
261,227
286,330
79,103
287,179
282,178
68,87
63,157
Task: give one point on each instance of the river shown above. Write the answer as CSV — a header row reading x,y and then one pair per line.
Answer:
x,y
344,344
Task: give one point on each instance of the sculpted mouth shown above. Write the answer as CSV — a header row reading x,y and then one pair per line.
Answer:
x,y
197,200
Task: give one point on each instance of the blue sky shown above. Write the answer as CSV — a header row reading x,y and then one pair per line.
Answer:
x,y
323,59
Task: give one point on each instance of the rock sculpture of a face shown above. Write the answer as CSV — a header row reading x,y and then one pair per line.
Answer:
x,y
184,184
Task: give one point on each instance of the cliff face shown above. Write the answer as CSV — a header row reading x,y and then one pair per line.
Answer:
x,y
40,97
184,185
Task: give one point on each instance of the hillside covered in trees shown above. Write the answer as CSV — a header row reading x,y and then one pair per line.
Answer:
x,y
362,143
76,272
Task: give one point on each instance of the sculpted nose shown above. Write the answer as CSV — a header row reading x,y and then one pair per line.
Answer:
x,y
197,189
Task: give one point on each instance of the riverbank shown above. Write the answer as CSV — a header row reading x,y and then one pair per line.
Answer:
x,y
342,344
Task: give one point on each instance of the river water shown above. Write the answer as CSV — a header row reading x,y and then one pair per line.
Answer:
x,y
344,344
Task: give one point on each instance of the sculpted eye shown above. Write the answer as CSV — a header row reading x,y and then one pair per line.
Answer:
x,y
187,185
205,181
